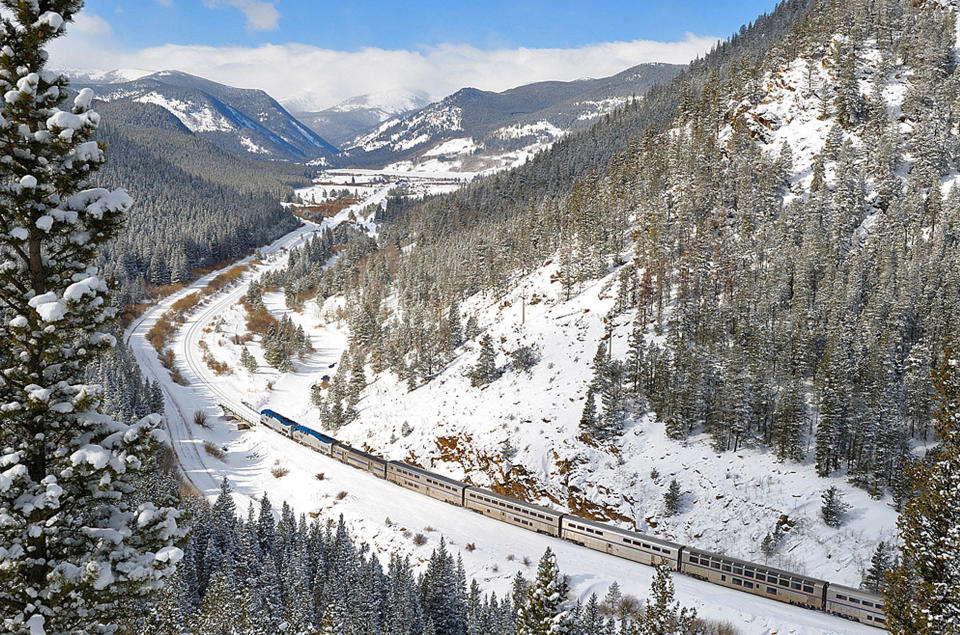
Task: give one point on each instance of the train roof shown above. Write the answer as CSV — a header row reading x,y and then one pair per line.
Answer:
x,y
279,417
313,433
365,455
789,574
852,591
510,499
620,530
420,470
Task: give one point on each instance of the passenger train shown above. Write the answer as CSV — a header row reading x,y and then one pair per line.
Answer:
x,y
855,604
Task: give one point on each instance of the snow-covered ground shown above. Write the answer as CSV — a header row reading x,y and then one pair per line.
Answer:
x,y
367,503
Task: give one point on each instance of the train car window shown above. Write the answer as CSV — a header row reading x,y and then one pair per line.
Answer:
x,y
795,586
854,601
772,590
738,581
866,603
738,570
748,584
693,560
808,589
726,568
841,597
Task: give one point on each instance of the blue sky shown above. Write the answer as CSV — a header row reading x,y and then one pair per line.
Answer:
x,y
312,54
354,24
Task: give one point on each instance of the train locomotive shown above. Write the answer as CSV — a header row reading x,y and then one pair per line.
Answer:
x,y
775,584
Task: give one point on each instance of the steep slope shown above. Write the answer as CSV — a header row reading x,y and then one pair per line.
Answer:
x,y
741,282
245,122
358,115
474,122
195,204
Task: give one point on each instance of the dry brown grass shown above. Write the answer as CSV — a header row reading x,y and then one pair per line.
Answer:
x,y
259,320
279,471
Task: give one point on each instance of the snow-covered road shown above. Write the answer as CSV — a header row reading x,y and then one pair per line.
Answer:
x,y
382,514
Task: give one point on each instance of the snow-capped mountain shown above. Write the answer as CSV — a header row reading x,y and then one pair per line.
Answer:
x,y
474,129
243,121
358,115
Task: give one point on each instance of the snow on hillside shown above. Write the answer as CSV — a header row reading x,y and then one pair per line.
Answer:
x,y
195,118
461,431
378,513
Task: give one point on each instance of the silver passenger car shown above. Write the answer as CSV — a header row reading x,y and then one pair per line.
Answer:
x,y
754,578
533,517
856,604
621,542
425,482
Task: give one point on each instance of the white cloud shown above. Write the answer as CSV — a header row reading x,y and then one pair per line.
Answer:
x,y
261,16
317,78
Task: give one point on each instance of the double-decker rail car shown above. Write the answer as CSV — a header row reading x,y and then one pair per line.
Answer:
x,y
856,604
312,438
425,482
360,460
533,517
754,578
621,542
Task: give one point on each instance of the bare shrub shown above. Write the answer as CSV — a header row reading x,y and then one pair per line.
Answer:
x,y
166,358
419,540
200,419
213,450
319,476
471,546
279,471
526,561
341,496
178,378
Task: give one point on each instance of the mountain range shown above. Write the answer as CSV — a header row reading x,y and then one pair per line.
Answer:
x,y
242,121
471,129
477,129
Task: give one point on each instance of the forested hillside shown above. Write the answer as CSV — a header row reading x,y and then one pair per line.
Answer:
x,y
194,203
770,241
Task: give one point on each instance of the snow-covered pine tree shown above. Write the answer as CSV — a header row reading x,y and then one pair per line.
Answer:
x,y
544,610
671,498
880,563
663,615
923,592
834,507
68,472
248,361
486,369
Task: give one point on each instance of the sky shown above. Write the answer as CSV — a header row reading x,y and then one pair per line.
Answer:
x,y
315,53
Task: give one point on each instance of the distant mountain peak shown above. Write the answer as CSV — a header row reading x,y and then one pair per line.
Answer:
x,y
246,122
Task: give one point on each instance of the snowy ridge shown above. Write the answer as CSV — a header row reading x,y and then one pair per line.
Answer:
x,y
245,122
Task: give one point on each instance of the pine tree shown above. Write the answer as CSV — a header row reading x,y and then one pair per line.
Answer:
x,y
671,498
588,420
834,507
70,473
663,615
485,370
248,361
880,563
544,609
923,592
